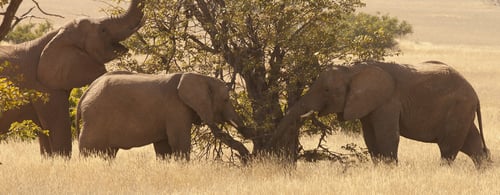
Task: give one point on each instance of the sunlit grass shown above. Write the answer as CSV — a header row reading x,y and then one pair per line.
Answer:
x,y
24,172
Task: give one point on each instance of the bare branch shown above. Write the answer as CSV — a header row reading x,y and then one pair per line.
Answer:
x,y
201,44
41,10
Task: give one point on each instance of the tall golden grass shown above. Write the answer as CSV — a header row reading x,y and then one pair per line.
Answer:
x,y
24,171
137,172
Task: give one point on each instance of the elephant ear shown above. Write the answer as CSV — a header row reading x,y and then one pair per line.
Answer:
x,y
368,89
64,63
194,90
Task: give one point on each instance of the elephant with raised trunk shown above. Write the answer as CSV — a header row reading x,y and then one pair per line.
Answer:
x,y
69,57
125,110
429,102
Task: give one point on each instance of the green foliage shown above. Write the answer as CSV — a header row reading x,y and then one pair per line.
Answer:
x,y
23,131
74,98
28,32
3,3
373,37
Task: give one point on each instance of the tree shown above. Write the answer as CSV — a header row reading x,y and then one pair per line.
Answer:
x,y
267,51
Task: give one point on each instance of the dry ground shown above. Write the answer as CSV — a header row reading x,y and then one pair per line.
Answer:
x,y
463,33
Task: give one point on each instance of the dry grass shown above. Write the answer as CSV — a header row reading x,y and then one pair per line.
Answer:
x,y
23,171
136,172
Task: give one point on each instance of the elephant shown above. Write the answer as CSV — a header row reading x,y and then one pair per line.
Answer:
x,y
123,110
428,102
69,57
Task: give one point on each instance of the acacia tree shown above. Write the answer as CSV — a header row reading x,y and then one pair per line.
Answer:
x,y
268,51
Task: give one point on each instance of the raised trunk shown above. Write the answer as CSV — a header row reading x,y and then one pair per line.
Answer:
x,y
124,25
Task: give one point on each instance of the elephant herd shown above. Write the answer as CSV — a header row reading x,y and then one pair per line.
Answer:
x,y
429,102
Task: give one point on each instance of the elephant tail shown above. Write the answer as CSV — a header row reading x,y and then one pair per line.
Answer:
x,y
480,123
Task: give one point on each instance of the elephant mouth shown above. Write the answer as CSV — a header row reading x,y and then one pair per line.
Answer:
x,y
119,49
340,116
322,112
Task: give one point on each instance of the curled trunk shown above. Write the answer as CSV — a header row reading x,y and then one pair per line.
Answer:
x,y
124,25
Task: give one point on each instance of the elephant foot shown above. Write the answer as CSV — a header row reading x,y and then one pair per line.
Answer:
x,y
446,162
482,161
385,160
106,154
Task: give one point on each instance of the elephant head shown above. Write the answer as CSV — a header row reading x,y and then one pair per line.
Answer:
x,y
350,92
209,98
77,52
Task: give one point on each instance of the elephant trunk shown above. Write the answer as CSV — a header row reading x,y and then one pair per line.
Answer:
x,y
291,122
237,122
124,25
305,106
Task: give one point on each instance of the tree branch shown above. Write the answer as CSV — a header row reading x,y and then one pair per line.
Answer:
x,y
201,45
230,142
44,12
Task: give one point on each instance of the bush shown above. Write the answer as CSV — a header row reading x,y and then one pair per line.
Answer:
x,y
28,32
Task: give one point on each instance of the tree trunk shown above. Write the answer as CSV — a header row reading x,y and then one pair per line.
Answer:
x,y
8,17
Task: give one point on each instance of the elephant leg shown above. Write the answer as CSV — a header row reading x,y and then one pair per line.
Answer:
x,y
448,154
179,137
162,149
54,116
473,147
454,133
385,123
369,137
93,142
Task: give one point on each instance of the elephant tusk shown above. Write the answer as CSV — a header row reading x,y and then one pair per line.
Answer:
x,y
233,123
307,114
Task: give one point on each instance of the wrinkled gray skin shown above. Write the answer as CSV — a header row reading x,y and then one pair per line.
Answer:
x,y
124,110
428,102
66,58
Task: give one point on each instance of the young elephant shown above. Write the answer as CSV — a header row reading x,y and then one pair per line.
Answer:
x,y
429,102
124,110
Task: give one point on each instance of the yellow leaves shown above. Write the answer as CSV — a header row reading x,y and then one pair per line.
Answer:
x,y
24,131
12,97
